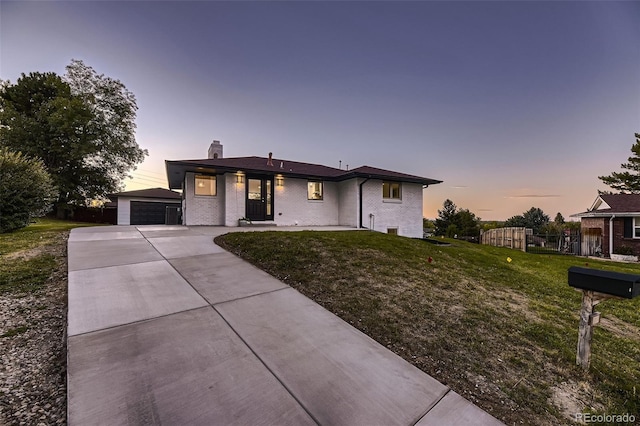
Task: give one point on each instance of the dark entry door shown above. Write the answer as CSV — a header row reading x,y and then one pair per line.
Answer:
x,y
260,198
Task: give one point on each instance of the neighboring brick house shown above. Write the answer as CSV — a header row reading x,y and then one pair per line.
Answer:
x,y
612,221
220,191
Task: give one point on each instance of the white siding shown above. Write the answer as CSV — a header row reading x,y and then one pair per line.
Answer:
x,y
291,206
405,214
124,211
204,210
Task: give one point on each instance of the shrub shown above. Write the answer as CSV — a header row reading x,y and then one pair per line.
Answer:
x,y
26,190
624,250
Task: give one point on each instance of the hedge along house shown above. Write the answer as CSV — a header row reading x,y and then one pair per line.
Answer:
x,y
221,191
155,206
613,221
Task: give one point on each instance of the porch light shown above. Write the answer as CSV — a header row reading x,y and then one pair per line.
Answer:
x,y
239,178
279,181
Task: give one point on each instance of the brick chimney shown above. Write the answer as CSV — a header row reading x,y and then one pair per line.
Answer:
x,y
215,150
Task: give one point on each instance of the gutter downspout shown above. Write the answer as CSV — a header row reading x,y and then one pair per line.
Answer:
x,y
611,234
360,197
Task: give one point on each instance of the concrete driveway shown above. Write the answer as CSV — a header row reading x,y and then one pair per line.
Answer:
x,y
166,327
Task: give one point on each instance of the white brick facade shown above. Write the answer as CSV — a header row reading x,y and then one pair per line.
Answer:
x,y
405,215
348,201
339,206
203,210
291,206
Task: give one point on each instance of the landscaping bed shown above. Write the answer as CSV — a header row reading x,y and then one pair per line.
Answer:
x,y
498,326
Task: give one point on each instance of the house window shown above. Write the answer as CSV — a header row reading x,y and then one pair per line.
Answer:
x,y
205,185
392,231
314,190
636,227
392,190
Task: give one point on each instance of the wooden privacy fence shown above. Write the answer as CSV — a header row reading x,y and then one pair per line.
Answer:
x,y
513,237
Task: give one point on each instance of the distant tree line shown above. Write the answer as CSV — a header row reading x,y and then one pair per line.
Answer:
x,y
453,222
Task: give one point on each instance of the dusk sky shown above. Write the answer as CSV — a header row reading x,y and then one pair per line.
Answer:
x,y
512,104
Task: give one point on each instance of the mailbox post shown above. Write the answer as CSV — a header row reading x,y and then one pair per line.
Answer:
x,y
597,286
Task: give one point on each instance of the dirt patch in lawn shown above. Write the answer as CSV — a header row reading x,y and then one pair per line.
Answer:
x,y
26,254
573,398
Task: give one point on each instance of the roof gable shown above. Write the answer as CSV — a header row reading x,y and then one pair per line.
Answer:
x,y
599,204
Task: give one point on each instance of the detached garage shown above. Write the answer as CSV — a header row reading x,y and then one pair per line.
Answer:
x,y
156,206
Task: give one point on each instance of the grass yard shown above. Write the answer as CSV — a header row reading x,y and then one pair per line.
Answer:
x,y
502,334
27,258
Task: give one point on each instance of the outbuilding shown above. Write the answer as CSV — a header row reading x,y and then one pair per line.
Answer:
x,y
155,206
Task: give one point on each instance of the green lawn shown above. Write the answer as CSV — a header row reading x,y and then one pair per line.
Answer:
x,y
502,334
28,257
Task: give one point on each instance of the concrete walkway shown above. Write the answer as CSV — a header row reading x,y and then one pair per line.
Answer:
x,y
165,327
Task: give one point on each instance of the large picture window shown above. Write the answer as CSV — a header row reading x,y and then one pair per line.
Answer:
x,y
314,190
392,190
205,185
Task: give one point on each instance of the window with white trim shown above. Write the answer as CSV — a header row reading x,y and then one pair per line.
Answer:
x,y
314,190
205,185
392,190
636,227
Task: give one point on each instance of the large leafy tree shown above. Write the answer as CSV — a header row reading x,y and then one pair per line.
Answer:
x,y
81,126
26,190
627,181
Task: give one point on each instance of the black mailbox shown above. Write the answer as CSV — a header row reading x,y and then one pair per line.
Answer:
x,y
607,282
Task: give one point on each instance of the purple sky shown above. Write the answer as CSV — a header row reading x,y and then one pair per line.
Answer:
x,y
511,104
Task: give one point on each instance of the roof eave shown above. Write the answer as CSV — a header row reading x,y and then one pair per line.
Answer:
x,y
409,179
177,169
605,214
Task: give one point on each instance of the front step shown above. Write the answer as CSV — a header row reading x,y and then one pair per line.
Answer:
x,y
260,224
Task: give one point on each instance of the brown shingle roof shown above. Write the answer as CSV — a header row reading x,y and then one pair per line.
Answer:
x,y
260,164
176,170
622,203
148,193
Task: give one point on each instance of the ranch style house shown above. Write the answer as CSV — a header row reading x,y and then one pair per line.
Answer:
x,y
221,191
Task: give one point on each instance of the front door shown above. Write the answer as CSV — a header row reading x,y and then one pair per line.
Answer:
x,y
260,198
